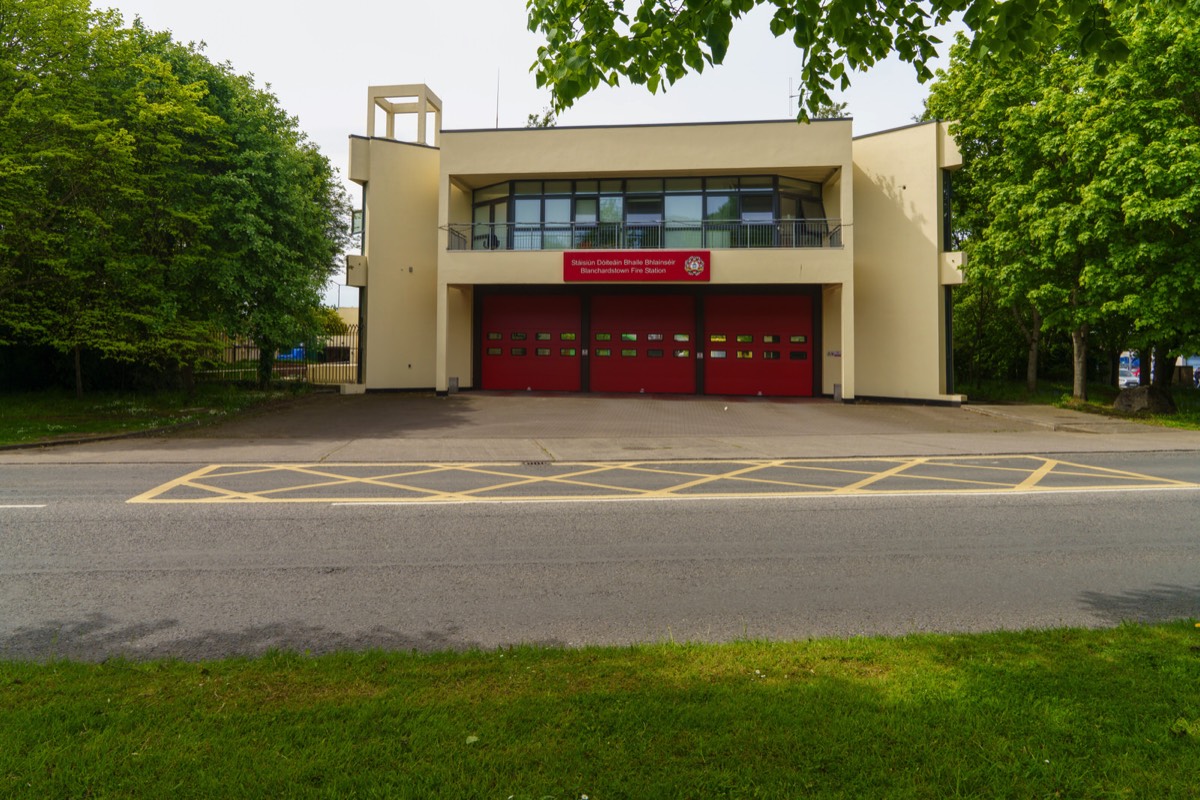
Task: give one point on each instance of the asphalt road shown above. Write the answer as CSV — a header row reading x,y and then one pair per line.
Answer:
x,y
85,574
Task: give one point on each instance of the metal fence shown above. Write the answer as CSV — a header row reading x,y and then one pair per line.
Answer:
x,y
329,360
781,233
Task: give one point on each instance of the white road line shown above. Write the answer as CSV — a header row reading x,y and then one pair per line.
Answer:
x,y
43,505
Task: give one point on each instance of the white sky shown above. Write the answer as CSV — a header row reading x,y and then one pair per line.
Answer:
x,y
319,58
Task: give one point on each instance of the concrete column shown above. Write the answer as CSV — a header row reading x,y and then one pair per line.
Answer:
x,y
441,384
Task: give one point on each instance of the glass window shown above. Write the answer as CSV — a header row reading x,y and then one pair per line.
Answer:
x,y
527,187
566,351
518,351
724,184
558,187
557,235
745,354
684,213
567,337
750,182
585,209
542,337
643,217
528,230
496,191
798,355
770,355
628,337
684,184
720,207
495,335
543,351
654,337
682,337
603,337
645,209
604,353
643,186
720,211
520,337
629,353
610,187
770,338
758,207
744,338
654,354
716,353
494,351
798,339
587,187
558,210
683,353
684,208
716,337
612,214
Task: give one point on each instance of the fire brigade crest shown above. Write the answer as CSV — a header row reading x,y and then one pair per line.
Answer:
x,y
694,266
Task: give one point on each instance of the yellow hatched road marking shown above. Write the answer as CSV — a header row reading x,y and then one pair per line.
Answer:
x,y
877,477
318,483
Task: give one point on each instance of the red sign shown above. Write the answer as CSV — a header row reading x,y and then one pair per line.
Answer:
x,y
636,265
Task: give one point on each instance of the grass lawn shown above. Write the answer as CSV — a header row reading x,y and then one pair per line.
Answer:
x,y
27,417
1109,713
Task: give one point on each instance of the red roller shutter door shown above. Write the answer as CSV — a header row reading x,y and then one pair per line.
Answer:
x,y
758,345
643,343
531,342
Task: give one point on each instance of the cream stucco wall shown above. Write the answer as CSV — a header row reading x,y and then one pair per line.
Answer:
x,y
900,269
399,303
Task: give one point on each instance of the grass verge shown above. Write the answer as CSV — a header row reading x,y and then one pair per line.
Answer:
x,y
1100,400
31,417
1055,713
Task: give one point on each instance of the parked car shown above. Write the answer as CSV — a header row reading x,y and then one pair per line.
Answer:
x,y
1126,379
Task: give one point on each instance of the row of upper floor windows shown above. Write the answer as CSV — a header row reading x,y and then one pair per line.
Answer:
x,y
725,184
758,198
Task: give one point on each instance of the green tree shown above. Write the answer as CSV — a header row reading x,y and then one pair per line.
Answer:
x,y
148,197
657,42
544,120
1075,187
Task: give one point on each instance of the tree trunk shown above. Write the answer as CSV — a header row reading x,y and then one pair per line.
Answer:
x,y
1164,367
1033,334
1031,366
78,373
1079,346
266,365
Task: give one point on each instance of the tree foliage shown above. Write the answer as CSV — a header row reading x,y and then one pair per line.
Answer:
x,y
1079,186
656,42
148,197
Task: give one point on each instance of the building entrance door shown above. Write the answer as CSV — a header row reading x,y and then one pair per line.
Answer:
x,y
531,342
643,343
758,345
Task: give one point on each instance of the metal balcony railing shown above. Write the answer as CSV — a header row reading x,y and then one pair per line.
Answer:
x,y
779,233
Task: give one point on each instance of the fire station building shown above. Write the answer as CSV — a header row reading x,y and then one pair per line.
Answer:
x,y
744,258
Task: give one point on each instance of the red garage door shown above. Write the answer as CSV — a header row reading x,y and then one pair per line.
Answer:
x,y
531,342
643,344
758,345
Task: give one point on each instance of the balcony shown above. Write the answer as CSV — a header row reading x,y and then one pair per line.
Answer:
x,y
714,235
